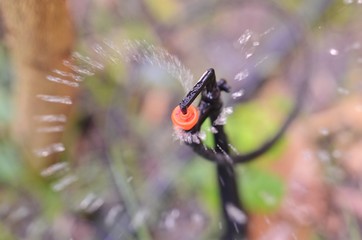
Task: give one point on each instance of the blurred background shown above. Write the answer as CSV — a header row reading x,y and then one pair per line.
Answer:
x,y
87,148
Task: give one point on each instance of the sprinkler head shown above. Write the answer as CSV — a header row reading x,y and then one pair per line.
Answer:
x,y
185,121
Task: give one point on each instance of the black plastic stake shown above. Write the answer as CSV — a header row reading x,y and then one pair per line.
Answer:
x,y
210,106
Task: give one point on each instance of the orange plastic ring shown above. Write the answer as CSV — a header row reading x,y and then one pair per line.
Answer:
x,y
185,121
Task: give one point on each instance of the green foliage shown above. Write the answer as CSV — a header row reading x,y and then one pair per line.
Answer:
x,y
252,124
199,179
247,128
261,190
209,141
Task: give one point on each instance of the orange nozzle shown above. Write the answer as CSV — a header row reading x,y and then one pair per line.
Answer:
x,y
185,121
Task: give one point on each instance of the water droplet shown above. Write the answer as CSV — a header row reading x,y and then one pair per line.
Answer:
x,y
268,198
129,179
187,137
237,94
202,135
62,81
77,69
195,138
55,168
112,215
51,129
227,156
269,30
48,150
261,61
171,218
19,214
323,155
55,99
93,63
342,91
324,131
235,213
333,51
197,219
50,118
222,118
139,218
248,55
64,182
144,52
87,200
91,203
245,37
112,55
213,130
75,77
233,148
242,75
228,110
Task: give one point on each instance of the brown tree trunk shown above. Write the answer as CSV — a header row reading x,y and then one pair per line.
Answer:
x,y
40,35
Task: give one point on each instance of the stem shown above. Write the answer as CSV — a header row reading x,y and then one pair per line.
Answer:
x,y
228,188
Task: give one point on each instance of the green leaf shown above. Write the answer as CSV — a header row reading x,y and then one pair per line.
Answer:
x,y
248,126
251,124
199,179
209,141
261,191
